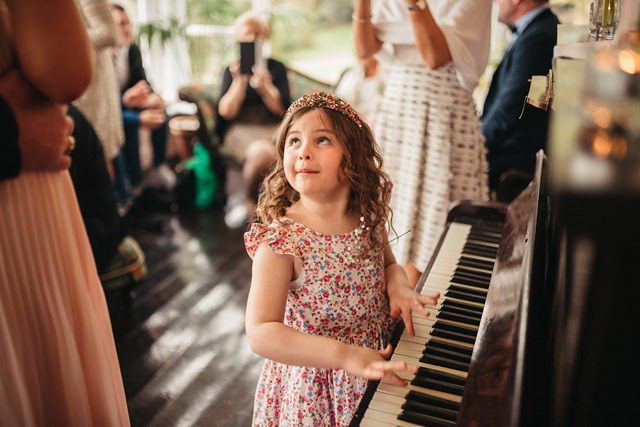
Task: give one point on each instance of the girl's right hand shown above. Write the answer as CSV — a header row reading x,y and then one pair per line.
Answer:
x,y
374,365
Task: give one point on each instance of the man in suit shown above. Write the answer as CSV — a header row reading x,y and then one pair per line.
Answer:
x,y
511,140
141,107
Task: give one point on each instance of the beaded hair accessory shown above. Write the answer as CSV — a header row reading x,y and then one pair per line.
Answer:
x,y
326,100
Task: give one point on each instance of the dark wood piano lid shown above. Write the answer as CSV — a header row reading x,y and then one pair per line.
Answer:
x,y
493,390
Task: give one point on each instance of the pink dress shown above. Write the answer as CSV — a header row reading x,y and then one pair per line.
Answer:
x,y
58,361
340,294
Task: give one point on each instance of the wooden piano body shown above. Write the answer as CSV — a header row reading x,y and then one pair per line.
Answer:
x,y
559,335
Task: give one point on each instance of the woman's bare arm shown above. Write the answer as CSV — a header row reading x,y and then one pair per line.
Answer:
x,y
52,46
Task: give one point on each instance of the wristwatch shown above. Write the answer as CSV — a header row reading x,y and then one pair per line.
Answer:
x,y
419,5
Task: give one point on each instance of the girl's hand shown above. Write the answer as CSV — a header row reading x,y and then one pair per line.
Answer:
x,y
374,365
404,300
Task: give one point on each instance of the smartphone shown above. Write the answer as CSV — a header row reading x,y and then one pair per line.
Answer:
x,y
247,57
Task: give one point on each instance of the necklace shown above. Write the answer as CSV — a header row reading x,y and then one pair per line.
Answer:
x,y
357,250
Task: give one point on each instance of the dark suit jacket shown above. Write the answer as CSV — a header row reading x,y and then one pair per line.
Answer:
x,y
513,142
10,157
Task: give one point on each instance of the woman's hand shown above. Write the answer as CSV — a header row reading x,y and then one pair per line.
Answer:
x,y
261,79
238,77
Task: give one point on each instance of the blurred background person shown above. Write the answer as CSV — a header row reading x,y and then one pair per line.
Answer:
x,y
362,86
249,110
58,361
427,124
100,103
142,108
513,134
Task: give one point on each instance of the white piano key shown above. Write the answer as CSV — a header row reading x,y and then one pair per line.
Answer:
x,y
402,391
386,419
411,361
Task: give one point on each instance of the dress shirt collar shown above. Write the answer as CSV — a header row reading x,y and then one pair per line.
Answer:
x,y
524,21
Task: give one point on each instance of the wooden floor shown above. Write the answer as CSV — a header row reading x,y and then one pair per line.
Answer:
x,y
183,352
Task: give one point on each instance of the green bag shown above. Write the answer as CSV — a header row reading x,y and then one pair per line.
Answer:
x,y
206,183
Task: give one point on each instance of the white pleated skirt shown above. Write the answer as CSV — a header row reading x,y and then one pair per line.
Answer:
x,y
58,361
433,149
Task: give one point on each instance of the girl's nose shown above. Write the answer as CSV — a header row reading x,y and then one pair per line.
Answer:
x,y
304,153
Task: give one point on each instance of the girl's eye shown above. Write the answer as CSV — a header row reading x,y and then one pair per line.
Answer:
x,y
323,140
293,141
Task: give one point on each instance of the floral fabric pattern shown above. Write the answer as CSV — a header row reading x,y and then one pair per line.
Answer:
x,y
341,295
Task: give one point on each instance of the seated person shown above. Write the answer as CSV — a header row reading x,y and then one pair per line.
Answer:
x,y
116,255
249,110
141,108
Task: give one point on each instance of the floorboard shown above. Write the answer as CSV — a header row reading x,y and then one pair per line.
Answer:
x,y
179,333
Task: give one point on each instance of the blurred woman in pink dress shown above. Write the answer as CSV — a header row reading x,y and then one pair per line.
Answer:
x,y
58,363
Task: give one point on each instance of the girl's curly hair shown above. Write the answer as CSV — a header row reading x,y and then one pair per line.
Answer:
x,y
370,186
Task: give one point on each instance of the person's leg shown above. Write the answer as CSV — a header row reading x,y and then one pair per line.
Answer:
x,y
259,159
131,148
121,184
259,156
159,138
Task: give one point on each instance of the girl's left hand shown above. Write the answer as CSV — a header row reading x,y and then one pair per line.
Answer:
x,y
405,300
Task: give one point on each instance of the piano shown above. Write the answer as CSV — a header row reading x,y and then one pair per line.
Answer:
x,y
509,341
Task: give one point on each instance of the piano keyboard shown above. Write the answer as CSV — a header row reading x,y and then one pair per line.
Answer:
x,y
443,343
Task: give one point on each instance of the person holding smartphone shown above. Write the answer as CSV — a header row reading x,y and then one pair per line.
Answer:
x,y
252,100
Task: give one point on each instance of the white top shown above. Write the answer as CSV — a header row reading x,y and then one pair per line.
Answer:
x,y
466,25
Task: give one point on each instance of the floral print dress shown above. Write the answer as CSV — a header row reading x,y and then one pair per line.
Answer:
x,y
340,294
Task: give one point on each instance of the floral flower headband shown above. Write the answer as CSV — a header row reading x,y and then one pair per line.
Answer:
x,y
326,100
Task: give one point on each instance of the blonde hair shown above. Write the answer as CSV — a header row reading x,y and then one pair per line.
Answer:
x,y
255,19
361,166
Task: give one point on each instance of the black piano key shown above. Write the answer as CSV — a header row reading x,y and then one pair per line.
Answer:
x,y
472,274
462,305
424,420
441,376
485,237
453,327
444,362
468,320
462,280
460,311
434,411
460,329
494,228
480,250
451,347
453,355
477,263
468,272
480,243
465,296
417,396
453,336
469,290
433,384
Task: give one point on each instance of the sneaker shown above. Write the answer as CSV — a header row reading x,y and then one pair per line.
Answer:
x,y
139,218
161,177
127,267
155,199
237,216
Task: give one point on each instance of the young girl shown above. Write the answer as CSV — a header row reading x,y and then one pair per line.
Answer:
x,y
325,283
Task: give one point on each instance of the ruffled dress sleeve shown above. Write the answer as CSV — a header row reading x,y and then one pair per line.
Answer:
x,y
277,235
